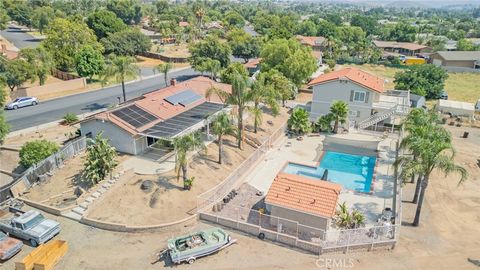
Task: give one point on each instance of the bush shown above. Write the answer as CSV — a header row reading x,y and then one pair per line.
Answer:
x,y
70,118
35,151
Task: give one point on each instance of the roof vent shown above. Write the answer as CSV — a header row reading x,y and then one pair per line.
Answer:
x,y
288,188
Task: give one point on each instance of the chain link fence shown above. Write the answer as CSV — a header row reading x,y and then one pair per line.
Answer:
x,y
46,167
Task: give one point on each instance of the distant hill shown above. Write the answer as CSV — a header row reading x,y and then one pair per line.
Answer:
x,y
408,4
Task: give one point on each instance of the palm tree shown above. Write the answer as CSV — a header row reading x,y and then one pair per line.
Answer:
x,y
416,120
324,122
122,68
222,126
434,151
299,121
165,69
339,111
239,97
261,92
183,145
347,219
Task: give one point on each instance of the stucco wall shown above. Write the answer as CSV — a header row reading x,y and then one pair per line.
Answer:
x,y
302,218
120,139
325,94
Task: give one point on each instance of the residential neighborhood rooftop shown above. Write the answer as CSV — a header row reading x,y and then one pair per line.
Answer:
x,y
353,74
460,55
403,45
300,193
310,41
160,105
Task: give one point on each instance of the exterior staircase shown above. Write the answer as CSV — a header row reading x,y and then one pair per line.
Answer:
x,y
376,118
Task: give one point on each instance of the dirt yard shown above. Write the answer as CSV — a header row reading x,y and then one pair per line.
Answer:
x,y
58,134
172,50
167,201
64,179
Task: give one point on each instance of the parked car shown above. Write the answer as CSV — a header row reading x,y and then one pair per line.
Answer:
x,y
477,106
444,95
22,102
31,226
9,246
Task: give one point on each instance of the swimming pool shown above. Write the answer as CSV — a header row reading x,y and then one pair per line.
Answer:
x,y
353,172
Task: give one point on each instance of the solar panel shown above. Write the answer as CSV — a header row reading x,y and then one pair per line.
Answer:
x,y
134,116
183,98
175,125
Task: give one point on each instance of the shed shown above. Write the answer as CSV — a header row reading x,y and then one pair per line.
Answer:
x,y
294,198
457,108
417,101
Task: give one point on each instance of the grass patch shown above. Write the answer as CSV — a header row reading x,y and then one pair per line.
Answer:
x,y
459,86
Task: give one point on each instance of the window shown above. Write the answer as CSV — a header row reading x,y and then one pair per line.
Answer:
x,y
352,113
359,96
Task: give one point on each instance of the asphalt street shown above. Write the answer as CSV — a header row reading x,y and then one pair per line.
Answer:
x,y
19,38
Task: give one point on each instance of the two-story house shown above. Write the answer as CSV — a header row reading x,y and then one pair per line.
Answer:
x,y
368,101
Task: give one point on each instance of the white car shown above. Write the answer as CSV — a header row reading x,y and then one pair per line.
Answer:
x,y
22,102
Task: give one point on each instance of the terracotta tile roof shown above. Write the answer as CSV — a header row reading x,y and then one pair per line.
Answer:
x,y
403,45
252,63
183,24
310,41
304,194
154,102
358,76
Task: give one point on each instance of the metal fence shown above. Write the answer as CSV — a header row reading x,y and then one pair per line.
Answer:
x,y
301,236
214,195
46,167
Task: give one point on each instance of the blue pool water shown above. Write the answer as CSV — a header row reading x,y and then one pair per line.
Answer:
x,y
351,171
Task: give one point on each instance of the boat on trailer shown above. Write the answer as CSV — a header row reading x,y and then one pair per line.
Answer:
x,y
199,244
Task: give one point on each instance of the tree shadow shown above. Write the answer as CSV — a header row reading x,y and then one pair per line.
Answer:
x,y
165,183
95,106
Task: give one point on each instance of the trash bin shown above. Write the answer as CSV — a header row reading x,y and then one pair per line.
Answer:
x,y
465,134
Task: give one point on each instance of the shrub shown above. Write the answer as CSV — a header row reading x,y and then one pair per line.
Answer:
x,y
299,121
35,151
99,161
70,118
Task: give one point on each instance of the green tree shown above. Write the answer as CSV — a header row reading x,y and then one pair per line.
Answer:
x,y
283,88
89,62
20,12
65,38
307,28
222,126
211,48
183,145
324,122
339,111
290,58
101,160
165,68
4,18
35,151
402,32
4,127
41,17
367,23
129,42
234,19
424,80
299,121
41,62
244,45
211,66
262,92
104,23
17,73
121,68
129,11
466,45
228,75
239,96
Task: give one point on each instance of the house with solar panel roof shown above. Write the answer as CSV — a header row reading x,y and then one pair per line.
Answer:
x,y
153,120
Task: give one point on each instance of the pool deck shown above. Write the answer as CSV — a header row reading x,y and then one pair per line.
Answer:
x,y
308,152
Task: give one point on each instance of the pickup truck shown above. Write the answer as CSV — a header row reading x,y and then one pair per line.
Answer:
x,y
31,226
9,246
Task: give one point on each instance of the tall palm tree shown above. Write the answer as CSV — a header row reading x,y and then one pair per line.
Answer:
x,y
262,92
239,97
122,68
434,151
222,126
183,145
339,111
414,123
165,69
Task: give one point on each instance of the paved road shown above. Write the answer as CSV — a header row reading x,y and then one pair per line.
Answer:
x,y
53,110
19,38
